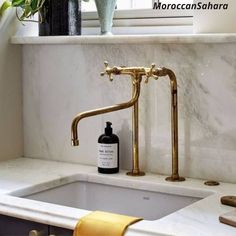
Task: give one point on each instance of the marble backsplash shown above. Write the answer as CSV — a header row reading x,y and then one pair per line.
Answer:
x,y
60,81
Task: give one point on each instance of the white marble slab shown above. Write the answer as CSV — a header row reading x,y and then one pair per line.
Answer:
x,y
24,176
127,39
59,81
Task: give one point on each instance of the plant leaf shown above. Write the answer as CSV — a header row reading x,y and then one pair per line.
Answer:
x,y
4,7
18,3
26,13
34,4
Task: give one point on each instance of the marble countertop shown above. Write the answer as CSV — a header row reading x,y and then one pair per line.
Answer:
x,y
23,176
127,39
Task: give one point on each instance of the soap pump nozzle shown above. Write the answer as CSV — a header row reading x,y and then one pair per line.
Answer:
x,y
108,129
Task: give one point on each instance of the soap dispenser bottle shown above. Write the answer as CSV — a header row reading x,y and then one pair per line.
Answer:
x,y
108,151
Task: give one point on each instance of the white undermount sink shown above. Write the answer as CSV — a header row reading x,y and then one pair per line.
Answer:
x,y
95,196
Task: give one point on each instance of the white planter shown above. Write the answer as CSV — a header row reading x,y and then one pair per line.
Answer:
x,y
215,21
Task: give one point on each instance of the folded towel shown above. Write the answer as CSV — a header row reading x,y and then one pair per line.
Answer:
x,y
100,223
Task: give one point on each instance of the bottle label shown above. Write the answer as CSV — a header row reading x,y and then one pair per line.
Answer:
x,y
107,155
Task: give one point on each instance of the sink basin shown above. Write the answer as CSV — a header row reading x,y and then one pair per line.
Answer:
x,y
95,196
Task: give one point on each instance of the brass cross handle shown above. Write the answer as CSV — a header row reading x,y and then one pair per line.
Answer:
x,y
150,73
109,71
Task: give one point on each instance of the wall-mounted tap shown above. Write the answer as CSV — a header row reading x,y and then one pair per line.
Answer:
x,y
136,74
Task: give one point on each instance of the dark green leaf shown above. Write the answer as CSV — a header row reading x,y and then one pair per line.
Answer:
x,y
34,4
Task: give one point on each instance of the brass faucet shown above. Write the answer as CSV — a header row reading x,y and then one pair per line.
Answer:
x,y
136,74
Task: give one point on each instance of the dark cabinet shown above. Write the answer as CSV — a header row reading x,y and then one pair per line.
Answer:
x,y
10,226
60,231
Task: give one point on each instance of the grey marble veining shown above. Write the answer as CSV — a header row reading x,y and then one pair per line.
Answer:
x,y
62,80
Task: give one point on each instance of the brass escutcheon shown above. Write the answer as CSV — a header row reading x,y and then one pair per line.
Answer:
x,y
212,183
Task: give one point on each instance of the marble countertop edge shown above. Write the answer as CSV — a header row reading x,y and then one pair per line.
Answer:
x,y
56,215
127,39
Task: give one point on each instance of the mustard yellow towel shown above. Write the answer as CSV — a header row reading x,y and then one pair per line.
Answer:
x,y
100,223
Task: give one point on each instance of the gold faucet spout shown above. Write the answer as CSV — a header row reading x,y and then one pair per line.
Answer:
x,y
116,107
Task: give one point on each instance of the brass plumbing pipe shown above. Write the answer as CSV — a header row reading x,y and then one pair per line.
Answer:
x,y
136,74
174,122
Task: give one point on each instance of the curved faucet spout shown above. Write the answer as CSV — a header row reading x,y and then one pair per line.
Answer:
x,y
117,107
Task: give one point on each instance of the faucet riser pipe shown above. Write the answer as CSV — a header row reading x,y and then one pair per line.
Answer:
x,y
174,129
135,139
